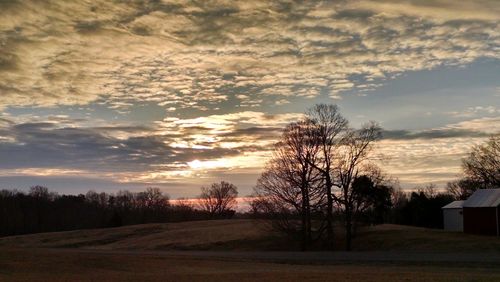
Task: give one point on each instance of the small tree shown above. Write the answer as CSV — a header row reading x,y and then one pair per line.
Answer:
x,y
153,199
461,189
218,200
39,192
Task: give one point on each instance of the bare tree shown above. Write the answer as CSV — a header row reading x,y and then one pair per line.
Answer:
x,y
353,156
329,132
184,203
289,185
461,189
481,169
124,200
482,165
40,192
317,160
429,190
219,199
100,199
152,198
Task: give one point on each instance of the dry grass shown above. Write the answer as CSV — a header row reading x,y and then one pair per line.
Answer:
x,y
389,237
196,235
247,235
74,265
121,254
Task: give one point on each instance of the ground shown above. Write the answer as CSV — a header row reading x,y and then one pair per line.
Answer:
x,y
241,250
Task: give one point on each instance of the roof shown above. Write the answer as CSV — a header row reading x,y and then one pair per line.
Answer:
x,y
454,205
484,198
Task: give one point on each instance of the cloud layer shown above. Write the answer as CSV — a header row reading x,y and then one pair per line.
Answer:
x,y
225,77
172,150
183,54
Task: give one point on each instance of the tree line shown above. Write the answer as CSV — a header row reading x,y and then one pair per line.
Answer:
x,y
40,210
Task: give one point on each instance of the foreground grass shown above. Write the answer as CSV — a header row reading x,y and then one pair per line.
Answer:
x,y
389,237
75,265
137,253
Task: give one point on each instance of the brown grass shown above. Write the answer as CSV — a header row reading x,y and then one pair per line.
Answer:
x,y
121,254
75,265
218,234
390,237
248,235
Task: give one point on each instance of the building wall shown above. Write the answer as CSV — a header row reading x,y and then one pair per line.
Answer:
x,y
453,220
480,221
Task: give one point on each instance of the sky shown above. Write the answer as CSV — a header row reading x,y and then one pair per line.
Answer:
x,y
127,94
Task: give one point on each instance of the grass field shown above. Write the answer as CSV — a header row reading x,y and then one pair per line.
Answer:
x,y
144,253
72,265
247,235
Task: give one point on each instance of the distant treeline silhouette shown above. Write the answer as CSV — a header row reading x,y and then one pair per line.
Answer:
x,y
40,210
419,208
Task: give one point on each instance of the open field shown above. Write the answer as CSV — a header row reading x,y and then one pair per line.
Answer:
x,y
77,265
228,250
197,235
247,235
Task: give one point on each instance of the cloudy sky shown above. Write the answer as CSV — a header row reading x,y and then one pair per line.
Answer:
x,y
125,94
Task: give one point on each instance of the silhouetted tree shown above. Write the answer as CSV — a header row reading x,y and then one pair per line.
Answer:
x,y
420,207
39,192
481,170
352,160
482,165
290,184
371,199
325,154
461,189
329,133
218,200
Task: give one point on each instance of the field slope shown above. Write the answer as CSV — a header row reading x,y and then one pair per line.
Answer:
x,y
247,235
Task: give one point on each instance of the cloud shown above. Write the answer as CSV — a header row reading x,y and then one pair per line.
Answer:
x,y
476,111
489,125
169,150
474,128
432,134
184,54
434,155
442,10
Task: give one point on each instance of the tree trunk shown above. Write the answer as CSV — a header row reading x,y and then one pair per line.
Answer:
x,y
348,229
304,232
308,221
329,216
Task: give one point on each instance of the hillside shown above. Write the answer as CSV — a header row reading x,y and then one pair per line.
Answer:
x,y
158,236
246,235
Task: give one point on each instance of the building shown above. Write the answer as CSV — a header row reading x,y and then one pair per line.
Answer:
x,y
453,216
481,212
